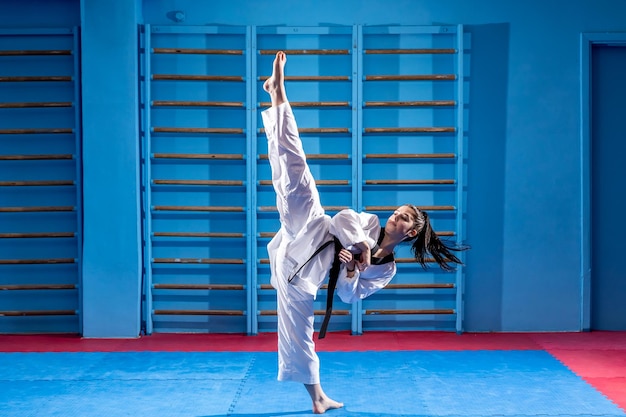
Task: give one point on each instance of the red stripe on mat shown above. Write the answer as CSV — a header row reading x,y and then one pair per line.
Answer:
x,y
266,342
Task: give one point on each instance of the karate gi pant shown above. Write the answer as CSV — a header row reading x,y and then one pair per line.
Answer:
x,y
304,227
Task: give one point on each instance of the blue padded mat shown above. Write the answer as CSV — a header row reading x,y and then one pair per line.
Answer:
x,y
243,384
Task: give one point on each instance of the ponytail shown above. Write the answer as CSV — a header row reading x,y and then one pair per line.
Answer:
x,y
427,242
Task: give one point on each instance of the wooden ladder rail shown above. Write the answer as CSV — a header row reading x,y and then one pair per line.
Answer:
x,y
22,79
29,287
336,312
410,182
231,183
212,209
37,209
191,77
34,52
322,130
317,182
311,77
410,156
197,51
410,129
32,313
210,287
188,103
36,183
306,51
317,156
414,77
37,261
198,234
161,312
35,157
200,130
30,105
422,103
417,51
215,156
38,131
199,261
37,235
311,104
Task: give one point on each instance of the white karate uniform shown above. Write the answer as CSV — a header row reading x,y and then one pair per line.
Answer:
x,y
304,228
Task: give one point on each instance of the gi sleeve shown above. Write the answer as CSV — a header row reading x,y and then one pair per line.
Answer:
x,y
363,284
351,227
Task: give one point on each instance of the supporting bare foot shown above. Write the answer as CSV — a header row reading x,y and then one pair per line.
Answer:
x,y
321,402
275,84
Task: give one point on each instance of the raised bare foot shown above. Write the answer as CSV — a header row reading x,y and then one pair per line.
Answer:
x,y
275,84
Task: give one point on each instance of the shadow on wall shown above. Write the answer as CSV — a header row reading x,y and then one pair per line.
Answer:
x,y
486,153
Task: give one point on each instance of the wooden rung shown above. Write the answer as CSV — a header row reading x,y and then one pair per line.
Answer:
x,y
35,105
194,51
36,261
33,78
163,103
219,287
199,312
267,234
306,51
212,261
199,182
418,286
177,77
409,129
409,182
311,104
205,130
425,208
410,155
35,52
326,208
431,103
219,156
34,131
34,183
425,311
34,157
24,313
318,156
316,312
305,130
198,234
428,77
269,287
317,182
36,235
421,51
29,287
199,208
35,209
412,260
311,77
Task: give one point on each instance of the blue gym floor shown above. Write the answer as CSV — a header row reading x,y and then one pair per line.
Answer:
x,y
243,384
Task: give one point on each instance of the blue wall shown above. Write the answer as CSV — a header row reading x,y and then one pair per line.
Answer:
x,y
523,272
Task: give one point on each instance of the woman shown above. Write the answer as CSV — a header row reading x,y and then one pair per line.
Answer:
x,y
297,271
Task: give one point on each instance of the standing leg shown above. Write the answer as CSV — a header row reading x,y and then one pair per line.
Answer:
x,y
298,202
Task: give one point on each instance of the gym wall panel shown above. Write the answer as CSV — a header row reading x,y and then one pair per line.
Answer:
x,y
380,112
40,181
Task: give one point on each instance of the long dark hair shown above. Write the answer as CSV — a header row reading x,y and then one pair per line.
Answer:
x,y
427,242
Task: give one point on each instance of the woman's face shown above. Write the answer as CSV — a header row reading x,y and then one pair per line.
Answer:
x,y
401,223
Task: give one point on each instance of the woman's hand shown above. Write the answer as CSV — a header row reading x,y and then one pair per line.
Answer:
x,y
365,257
345,257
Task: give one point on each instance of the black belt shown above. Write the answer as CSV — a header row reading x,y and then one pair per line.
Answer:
x,y
334,275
